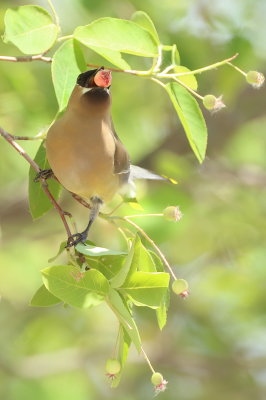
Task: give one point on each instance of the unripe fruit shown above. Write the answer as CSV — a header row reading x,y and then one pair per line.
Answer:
x,y
179,286
209,101
254,78
157,379
172,213
112,366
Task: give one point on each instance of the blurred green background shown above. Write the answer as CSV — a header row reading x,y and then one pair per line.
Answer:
x,y
214,345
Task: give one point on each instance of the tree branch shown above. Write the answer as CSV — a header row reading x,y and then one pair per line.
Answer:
x,y
35,166
38,57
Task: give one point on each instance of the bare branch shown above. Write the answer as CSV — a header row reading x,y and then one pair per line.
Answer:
x,y
38,57
35,166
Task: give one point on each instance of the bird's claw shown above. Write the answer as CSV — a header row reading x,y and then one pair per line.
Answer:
x,y
76,238
43,174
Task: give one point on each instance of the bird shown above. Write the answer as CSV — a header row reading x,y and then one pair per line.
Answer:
x,y
84,151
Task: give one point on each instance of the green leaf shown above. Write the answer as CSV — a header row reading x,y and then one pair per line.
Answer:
x,y
175,56
43,298
93,251
159,266
161,312
191,118
118,306
145,21
120,278
146,288
79,289
119,35
62,248
112,56
108,265
30,28
123,345
142,259
38,201
188,80
68,62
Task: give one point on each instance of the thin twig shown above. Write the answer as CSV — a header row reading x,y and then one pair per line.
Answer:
x,y
36,167
199,70
39,57
148,361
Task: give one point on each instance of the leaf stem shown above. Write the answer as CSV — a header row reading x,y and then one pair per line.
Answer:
x,y
199,70
60,39
188,88
237,68
148,361
144,215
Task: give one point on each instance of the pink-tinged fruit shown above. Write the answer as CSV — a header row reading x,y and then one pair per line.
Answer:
x,y
103,78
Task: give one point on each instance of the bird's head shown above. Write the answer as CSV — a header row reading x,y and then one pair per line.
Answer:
x,y
94,88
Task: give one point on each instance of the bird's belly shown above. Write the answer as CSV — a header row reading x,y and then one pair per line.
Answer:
x,y
84,166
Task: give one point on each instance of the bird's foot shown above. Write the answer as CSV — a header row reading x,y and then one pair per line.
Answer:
x,y
44,174
76,238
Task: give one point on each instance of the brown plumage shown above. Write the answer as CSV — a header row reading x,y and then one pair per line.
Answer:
x,y
83,149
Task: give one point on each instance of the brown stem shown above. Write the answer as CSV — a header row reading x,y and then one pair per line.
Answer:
x,y
21,151
39,57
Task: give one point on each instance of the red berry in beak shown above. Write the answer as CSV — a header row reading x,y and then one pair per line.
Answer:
x,y
103,78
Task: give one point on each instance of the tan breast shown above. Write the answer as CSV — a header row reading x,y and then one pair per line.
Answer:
x,y
81,155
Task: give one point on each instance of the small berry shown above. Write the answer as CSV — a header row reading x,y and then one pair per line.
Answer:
x,y
172,213
159,382
213,103
156,378
112,366
103,78
254,78
179,286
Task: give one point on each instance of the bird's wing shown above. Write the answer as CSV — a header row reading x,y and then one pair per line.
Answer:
x,y
121,157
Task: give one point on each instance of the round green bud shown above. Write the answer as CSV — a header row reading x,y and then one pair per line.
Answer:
x,y
157,379
255,78
172,213
179,286
112,366
209,101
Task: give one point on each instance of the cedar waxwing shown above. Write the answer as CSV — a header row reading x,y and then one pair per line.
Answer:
x,y
84,151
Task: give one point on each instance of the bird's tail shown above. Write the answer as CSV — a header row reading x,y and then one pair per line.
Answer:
x,y
137,172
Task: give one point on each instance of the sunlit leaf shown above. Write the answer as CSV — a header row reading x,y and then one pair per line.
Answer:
x,y
161,312
68,62
121,311
146,288
112,56
191,118
43,298
145,21
108,265
120,278
79,289
38,201
119,35
62,248
93,251
188,80
142,259
30,28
